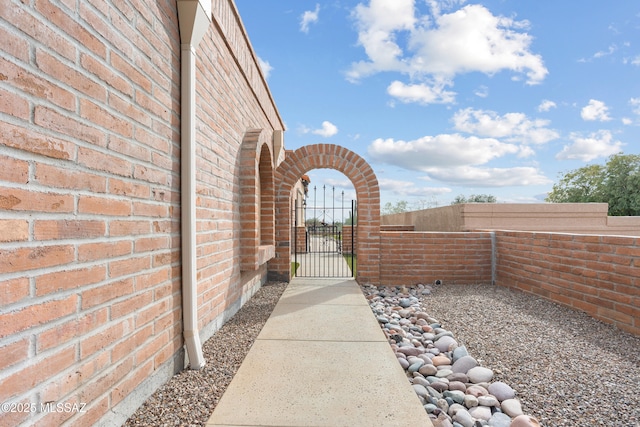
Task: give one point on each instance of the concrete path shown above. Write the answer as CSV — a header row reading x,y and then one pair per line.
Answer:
x,y
320,360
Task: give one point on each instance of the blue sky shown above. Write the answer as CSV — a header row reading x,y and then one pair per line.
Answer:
x,y
454,97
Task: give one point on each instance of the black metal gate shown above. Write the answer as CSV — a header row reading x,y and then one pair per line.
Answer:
x,y
324,237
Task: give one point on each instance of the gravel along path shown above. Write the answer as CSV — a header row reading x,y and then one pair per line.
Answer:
x,y
567,368
188,399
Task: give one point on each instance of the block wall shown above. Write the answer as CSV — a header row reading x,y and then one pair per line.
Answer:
x,y
408,258
599,275
90,287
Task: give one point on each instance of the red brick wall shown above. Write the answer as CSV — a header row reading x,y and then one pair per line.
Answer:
x,y
408,257
332,156
599,275
90,289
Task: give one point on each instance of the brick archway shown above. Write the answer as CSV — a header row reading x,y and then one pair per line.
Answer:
x,y
329,156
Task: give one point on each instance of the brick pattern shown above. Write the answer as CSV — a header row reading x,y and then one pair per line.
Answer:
x,y
599,275
289,172
90,289
408,258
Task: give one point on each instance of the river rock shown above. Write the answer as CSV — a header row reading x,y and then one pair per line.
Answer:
x,y
420,390
463,364
445,343
459,352
470,401
476,390
441,360
480,412
427,370
464,418
488,400
525,421
511,407
499,419
457,385
480,374
501,391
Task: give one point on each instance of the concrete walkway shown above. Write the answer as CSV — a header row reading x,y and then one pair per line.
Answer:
x,y
320,360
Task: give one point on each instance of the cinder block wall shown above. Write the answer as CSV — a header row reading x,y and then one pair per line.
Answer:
x,y
408,257
599,275
90,287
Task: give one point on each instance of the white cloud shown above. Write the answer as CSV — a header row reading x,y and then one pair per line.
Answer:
x,y
441,150
481,92
420,93
265,67
489,177
514,127
436,48
595,110
309,17
408,188
635,103
546,105
327,130
597,144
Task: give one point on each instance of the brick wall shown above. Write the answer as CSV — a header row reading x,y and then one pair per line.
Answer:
x,y
408,257
90,289
599,275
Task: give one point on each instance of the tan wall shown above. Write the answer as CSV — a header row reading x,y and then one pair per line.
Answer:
x,y
579,218
90,286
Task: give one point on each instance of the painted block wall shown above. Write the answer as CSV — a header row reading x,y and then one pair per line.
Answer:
x,y
90,288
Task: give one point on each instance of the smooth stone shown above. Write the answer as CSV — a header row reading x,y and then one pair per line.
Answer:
x,y
403,362
409,351
434,393
480,413
443,373
458,377
428,370
457,385
463,364
444,334
498,419
488,400
440,360
456,395
459,352
446,343
470,401
382,319
480,374
421,381
454,408
501,391
511,407
476,390
415,366
464,418
430,407
404,302
420,390
443,404
442,421
439,386
525,421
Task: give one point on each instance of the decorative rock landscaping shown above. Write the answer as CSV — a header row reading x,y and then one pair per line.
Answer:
x,y
454,388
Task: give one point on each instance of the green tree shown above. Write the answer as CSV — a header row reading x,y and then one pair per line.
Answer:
x,y
400,206
474,198
616,183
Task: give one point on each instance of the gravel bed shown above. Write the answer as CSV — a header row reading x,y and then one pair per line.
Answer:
x,y
567,368
189,397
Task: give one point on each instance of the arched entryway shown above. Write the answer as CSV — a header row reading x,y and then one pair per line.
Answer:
x,y
354,167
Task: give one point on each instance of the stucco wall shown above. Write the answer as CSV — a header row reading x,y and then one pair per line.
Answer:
x,y
90,287
579,218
